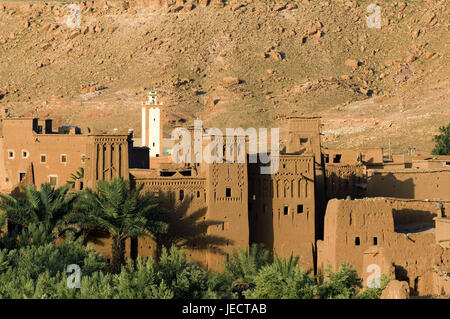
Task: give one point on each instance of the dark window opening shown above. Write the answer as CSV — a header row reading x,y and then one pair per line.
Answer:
x,y
286,210
228,192
181,194
39,129
303,140
357,241
299,209
375,241
198,194
327,158
25,154
81,186
21,176
63,158
43,158
284,165
10,154
166,173
186,173
337,158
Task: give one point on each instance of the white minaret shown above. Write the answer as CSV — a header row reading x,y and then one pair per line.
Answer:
x,y
151,125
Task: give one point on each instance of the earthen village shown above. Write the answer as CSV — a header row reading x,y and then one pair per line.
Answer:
x,y
324,205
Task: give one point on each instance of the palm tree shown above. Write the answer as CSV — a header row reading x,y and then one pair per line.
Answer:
x,y
287,267
120,210
242,267
45,207
79,175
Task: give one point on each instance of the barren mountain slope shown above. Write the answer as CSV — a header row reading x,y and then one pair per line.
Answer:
x,y
238,64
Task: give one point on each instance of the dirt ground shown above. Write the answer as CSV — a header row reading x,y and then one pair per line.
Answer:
x,y
239,63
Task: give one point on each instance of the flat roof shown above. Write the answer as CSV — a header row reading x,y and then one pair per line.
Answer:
x,y
409,170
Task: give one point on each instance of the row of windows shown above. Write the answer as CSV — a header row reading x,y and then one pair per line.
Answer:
x,y
285,209
52,179
358,241
43,157
181,194
299,209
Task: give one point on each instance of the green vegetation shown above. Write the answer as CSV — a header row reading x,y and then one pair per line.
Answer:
x,y
34,210
34,265
442,141
79,174
121,211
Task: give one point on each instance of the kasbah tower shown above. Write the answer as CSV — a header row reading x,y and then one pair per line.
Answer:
x,y
324,205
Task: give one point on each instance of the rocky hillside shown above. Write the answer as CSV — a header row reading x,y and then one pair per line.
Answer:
x,y
237,63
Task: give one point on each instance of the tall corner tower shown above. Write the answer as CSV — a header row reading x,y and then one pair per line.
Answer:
x,y
152,125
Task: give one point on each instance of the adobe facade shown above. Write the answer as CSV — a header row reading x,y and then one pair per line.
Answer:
x,y
315,206
408,239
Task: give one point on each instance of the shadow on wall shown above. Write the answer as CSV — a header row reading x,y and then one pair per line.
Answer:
x,y
260,220
260,209
401,274
389,186
138,157
188,228
340,187
412,221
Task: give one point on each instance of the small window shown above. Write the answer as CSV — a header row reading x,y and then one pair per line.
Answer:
x,y
43,158
83,158
63,158
21,176
286,210
357,241
153,143
81,186
39,129
375,241
327,158
284,165
228,192
53,180
10,154
198,194
181,194
337,158
299,209
25,154
303,140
